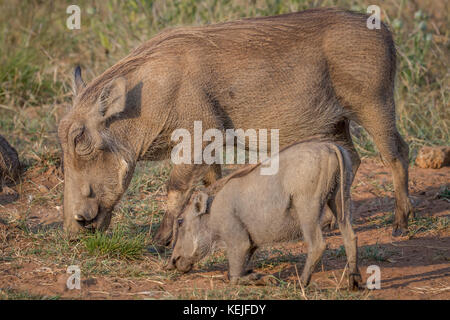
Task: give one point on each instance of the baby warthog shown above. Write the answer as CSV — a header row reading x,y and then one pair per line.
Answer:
x,y
250,210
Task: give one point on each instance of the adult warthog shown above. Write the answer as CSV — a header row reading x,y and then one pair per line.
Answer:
x,y
306,73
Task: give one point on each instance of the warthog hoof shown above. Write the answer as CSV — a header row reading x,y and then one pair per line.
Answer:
x,y
354,281
400,229
399,232
402,213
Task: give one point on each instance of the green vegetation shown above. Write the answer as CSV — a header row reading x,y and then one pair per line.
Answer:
x,y
428,224
117,244
10,294
382,221
375,252
444,193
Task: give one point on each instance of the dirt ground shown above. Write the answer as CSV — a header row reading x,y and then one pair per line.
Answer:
x,y
416,266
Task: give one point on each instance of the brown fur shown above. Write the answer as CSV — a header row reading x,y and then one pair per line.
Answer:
x,y
306,73
242,172
255,210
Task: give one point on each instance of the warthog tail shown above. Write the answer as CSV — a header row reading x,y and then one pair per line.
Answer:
x,y
345,171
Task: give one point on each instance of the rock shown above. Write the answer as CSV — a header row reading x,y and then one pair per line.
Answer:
x,y
433,157
9,163
43,189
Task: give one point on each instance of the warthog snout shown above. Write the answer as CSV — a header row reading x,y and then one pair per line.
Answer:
x,y
172,264
181,264
86,211
87,219
80,218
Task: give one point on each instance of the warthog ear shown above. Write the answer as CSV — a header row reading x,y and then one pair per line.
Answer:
x,y
78,83
200,203
112,99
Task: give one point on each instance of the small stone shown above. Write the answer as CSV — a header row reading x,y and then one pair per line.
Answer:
x,y
433,157
43,188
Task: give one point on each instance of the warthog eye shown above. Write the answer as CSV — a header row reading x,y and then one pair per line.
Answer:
x,y
79,137
84,144
180,222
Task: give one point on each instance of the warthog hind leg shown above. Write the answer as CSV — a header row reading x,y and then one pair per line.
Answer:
x,y
312,234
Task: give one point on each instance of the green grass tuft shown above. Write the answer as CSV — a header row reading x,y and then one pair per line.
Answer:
x,y
375,252
444,193
11,294
115,244
427,224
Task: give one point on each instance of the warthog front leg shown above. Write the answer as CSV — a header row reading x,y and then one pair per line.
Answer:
x,y
238,256
240,250
241,275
